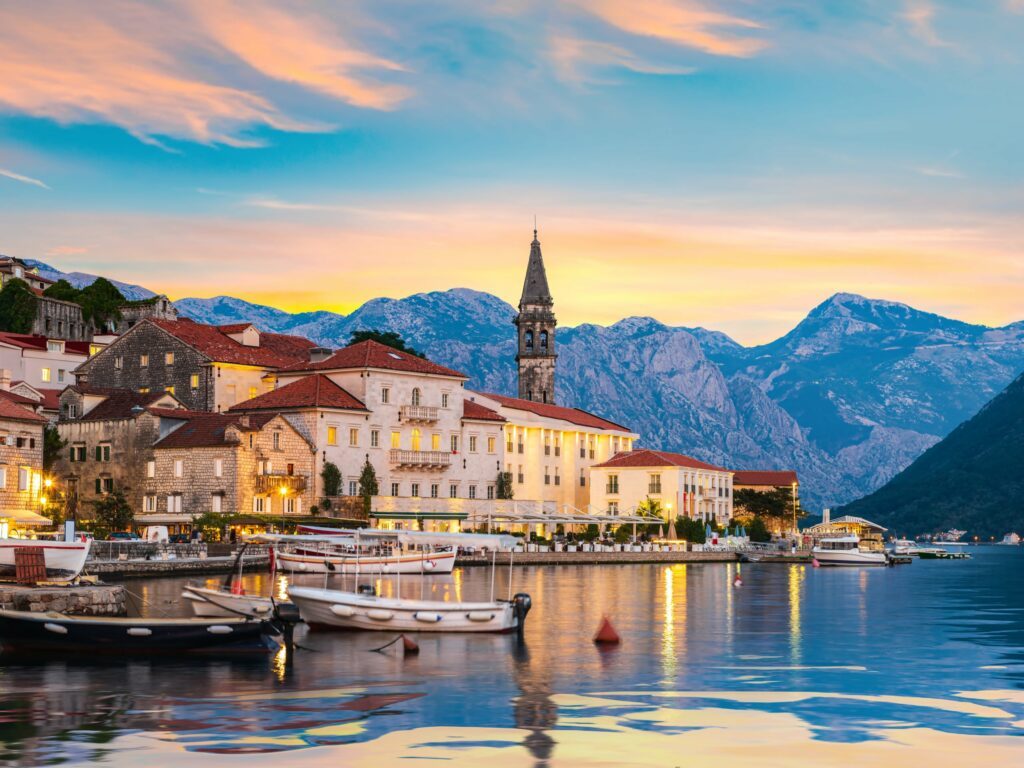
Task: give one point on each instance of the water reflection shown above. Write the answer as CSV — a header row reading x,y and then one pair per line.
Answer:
x,y
821,666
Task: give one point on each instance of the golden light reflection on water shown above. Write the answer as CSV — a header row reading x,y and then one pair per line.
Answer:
x,y
796,583
673,632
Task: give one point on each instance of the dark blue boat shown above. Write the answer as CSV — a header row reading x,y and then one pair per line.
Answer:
x,y
49,633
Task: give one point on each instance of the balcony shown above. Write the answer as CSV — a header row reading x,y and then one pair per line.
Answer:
x,y
273,483
421,414
420,459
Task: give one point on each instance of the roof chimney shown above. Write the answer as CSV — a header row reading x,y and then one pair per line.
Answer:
x,y
318,354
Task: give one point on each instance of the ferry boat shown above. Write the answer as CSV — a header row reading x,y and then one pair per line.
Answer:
x,y
1010,540
64,559
849,550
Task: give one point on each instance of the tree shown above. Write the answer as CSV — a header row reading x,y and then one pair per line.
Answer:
x,y
368,485
331,477
777,503
111,513
18,306
504,486
758,531
390,338
690,530
52,446
650,508
212,524
62,290
101,302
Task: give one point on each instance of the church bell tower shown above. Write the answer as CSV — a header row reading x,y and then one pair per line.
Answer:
x,y
535,324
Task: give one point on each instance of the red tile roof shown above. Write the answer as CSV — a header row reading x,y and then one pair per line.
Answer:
x,y
199,431
51,398
648,458
778,478
233,327
31,341
10,410
373,354
316,391
473,410
14,397
550,411
118,403
275,350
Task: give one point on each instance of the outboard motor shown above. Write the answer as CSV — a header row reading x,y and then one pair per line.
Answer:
x,y
521,604
367,589
286,616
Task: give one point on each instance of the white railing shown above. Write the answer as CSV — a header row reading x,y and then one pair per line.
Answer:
x,y
424,413
474,509
438,459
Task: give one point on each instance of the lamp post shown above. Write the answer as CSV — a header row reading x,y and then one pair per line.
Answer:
x,y
794,508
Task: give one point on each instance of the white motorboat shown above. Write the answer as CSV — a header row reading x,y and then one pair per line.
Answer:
x,y
334,609
1010,540
849,550
64,559
306,560
208,602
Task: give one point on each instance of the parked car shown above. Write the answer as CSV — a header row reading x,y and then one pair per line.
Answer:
x,y
124,536
178,538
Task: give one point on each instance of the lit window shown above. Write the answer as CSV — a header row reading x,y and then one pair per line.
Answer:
x,y
490,444
143,390
193,381
169,389
168,358
353,437
95,349
332,435
253,391
46,374
143,361
396,440
179,467
415,439
218,467
435,442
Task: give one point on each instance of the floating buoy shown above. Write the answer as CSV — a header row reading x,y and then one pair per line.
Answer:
x,y
606,634
738,581
815,563
401,646
410,645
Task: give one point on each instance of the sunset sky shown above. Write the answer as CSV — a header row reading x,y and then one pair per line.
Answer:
x,y
724,164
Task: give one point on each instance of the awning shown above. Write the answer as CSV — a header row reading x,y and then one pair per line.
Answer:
x,y
164,519
25,518
419,515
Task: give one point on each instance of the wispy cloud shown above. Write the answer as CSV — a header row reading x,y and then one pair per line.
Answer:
x,y
684,23
23,179
158,71
920,17
939,172
67,250
586,61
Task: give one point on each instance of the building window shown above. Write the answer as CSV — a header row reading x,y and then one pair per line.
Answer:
x,y
654,484
332,435
149,503
353,437
143,361
490,444
375,438
434,490
151,468
119,362
519,474
591,447
558,480
613,507
583,479
394,489
60,374
102,453
143,390
291,505
179,468
23,478
490,491
277,441
583,450
415,439
169,389
193,381
416,396
72,410
218,467
168,358
547,476
547,443
54,346
259,504
216,503
444,399
3,477
396,440
613,484
353,488
472,491
453,491
558,445
508,443
174,502
435,442
46,374
521,447
415,490
455,443
472,443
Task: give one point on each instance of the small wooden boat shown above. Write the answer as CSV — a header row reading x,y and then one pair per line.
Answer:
x,y
334,609
87,636
308,561
208,602
64,559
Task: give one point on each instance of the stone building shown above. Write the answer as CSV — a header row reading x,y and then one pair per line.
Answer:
x,y
206,367
233,464
155,307
22,486
535,330
55,319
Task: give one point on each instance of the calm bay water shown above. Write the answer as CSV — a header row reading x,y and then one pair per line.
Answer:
x,y
800,666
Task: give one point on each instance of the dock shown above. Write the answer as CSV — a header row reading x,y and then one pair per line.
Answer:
x,y
73,599
596,558
176,566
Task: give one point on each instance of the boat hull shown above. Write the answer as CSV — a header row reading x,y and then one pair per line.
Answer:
x,y
333,609
26,632
425,563
848,557
216,603
64,559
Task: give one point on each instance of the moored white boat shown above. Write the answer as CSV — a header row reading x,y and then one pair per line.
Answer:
x,y
848,550
208,602
1010,540
64,559
334,609
307,561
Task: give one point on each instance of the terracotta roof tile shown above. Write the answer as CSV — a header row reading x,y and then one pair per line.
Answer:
x,y
118,404
32,341
551,411
649,458
373,354
473,410
275,350
779,478
316,391
12,411
199,430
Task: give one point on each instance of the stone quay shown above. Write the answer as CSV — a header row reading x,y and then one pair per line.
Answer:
x,y
75,600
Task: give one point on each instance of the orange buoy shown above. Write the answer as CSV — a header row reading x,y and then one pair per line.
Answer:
x,y
606,634
409,645
738,581
815,563
237,588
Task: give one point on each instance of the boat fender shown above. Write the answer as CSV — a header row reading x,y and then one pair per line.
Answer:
x,y
57,629
344,611
428,618
302,566
140,631
429,565
480,616
219,629
378,614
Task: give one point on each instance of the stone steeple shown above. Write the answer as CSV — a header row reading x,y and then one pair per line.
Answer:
x,y
535,324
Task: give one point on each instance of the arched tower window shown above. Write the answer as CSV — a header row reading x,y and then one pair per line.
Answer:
x,y
529,339
544,340
416,396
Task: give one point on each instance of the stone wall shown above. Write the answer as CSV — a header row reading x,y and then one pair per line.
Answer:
x,y
157,306
57,319
95,600
13,457
120,365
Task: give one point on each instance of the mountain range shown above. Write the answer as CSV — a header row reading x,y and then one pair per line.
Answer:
x,y
972,480
849,398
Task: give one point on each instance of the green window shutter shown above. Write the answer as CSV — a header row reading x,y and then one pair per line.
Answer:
x,y
99,455
72,458
99,487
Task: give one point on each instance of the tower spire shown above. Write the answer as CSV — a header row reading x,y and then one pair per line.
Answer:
x,y
536,324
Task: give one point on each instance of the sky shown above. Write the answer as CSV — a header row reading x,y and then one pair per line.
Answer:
x,y
719,164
